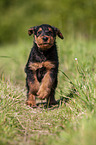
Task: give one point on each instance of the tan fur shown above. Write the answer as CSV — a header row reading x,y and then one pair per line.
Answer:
x,y
47,64
41,44
34,87
31,100
35,66
45,87
40,29
50,29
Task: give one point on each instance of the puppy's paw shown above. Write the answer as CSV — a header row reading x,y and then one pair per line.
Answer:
x,y
31,104
43,93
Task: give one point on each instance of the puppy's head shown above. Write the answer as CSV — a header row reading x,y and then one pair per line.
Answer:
x,y
45,35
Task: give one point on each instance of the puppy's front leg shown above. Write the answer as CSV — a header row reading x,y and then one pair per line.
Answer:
x,y
46,86
32,84
48,80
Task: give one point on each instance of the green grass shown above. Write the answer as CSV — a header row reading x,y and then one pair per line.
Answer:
x,y
73,121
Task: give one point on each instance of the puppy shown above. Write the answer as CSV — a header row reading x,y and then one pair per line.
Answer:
x,y
42,66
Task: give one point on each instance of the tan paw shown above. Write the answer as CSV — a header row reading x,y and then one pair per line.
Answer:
x,y
42,94
31,104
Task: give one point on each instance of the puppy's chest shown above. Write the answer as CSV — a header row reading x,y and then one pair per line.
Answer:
x,y
42,62
40,72
40,58
50,55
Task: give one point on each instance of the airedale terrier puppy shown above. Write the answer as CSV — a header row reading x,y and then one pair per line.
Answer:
x,y
42,66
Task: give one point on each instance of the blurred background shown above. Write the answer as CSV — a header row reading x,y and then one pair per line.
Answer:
x,y
70,16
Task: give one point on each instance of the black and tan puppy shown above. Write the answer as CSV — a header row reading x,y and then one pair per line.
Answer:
x,y
42,66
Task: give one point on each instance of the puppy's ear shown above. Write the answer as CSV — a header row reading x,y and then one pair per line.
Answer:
x,y
31,31
57,31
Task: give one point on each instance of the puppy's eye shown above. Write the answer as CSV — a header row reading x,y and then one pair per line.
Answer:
x,y
39,32
50,32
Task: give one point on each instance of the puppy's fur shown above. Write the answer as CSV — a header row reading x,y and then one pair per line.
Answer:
x,y
42,66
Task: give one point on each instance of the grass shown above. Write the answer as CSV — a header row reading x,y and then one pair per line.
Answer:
x,y
72,121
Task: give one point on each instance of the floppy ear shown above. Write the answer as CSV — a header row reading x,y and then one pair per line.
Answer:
x,y
31,31
58,32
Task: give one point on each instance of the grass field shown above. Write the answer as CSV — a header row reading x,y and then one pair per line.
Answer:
x,y
73,120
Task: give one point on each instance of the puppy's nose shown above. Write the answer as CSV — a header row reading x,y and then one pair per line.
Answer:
x,y
45,38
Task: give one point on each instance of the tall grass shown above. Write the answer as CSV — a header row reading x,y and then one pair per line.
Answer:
x,y
72,121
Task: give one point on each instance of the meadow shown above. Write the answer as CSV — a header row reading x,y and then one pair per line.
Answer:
x,y
73,120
